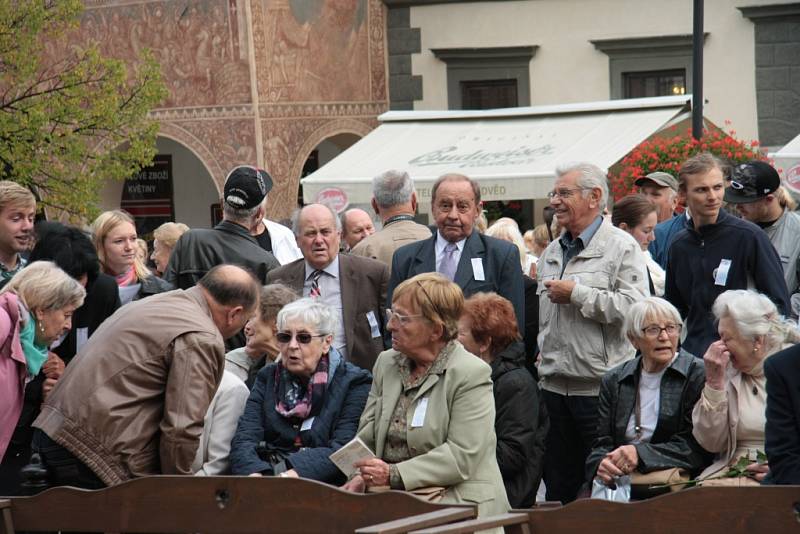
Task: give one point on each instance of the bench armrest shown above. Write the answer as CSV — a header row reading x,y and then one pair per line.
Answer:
x,y
431,519
474,525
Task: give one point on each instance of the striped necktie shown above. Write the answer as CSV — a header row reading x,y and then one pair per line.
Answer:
x,y
315,292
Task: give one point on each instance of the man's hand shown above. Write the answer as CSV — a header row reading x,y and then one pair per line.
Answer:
x,y
559,291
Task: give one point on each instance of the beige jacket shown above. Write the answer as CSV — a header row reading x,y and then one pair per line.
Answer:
x,y
455,445
580,341
382,244
715,419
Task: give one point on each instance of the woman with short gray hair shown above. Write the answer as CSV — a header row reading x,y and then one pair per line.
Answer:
x,y
303,407
729,418
645,408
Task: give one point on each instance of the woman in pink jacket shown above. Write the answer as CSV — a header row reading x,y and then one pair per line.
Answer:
x,y
36,309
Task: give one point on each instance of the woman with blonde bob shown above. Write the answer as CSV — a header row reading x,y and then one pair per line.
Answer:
x,y
114,237
507,229
429,417
729,418
36,309
645,406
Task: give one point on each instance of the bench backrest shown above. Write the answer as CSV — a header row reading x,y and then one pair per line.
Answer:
x,y
720,510
169,504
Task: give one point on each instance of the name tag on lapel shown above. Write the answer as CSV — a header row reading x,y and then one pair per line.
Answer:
x,y
373,324
477,269
419,414
307,424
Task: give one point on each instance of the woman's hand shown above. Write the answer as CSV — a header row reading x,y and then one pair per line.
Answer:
x,y
717,359
621,461
291,473
607,471
356,485
759,470
374,471
53,367
255,475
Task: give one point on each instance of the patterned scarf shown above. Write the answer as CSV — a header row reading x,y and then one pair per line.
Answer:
x,y
296,400
127,278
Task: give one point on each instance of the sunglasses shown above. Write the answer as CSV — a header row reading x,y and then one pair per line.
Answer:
x,y
304,338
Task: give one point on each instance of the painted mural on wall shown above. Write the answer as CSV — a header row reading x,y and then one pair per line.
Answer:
x,y
316,50
201,45
319,69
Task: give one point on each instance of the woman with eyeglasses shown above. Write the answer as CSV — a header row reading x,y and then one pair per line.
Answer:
x,y
645,407
303,407
429,418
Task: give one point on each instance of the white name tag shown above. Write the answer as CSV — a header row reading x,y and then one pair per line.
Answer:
x,y
307,424
373,324
419,413
721,276
477,269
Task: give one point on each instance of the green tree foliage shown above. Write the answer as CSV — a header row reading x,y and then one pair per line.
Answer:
x,y
70,119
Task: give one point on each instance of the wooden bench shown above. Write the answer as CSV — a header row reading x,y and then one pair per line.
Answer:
x,y
767,509
180,504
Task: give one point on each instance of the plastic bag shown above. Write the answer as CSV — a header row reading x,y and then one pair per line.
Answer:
x,y
620,492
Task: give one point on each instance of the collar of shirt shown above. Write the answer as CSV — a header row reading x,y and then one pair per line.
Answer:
x,y
441,242
8,273
332,268
584,238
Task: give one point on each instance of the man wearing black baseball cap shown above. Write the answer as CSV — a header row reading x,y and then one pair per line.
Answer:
x,y
200,249
755,190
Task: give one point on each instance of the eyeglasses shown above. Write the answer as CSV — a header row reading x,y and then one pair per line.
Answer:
x,y
653,331
402,319
564,193
304,338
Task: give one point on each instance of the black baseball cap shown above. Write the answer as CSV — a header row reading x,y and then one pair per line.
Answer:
x,y
246,187
752,181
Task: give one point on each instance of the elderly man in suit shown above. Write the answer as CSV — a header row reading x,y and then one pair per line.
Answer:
x,y
354,286
473,261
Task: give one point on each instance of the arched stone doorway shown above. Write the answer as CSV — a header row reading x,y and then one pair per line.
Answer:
x,y
194,190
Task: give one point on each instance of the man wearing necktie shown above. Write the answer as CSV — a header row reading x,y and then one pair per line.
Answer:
x,y
473,261
354,286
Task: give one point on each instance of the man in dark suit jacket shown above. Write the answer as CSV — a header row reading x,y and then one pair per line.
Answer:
x,y
480,263
782,433
355,287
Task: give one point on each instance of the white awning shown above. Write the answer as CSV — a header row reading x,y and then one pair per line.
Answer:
x,y
787,161
511,152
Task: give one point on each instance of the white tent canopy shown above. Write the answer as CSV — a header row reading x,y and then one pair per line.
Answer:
x,y
511,152
787,159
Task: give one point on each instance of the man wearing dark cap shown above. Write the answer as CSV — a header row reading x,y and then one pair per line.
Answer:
x,y
755,190
660,188
716,252
198,250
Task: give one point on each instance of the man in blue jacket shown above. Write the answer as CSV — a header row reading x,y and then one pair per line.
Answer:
x,y
714,253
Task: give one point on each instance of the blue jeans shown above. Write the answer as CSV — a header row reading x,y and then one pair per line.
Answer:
x,y
573,428
63,468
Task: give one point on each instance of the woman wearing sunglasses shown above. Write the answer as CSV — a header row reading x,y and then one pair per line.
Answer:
x,y
303,407
430,413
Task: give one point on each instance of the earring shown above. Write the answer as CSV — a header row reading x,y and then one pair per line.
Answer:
x,y
41,328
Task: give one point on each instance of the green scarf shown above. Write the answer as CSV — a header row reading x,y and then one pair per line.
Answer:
x,y
35,355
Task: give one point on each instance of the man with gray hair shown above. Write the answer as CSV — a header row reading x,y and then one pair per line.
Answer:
x,y
200,249
353,286
588,278
395,201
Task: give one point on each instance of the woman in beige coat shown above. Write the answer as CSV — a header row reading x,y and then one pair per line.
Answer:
x,y
729,417
429,417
